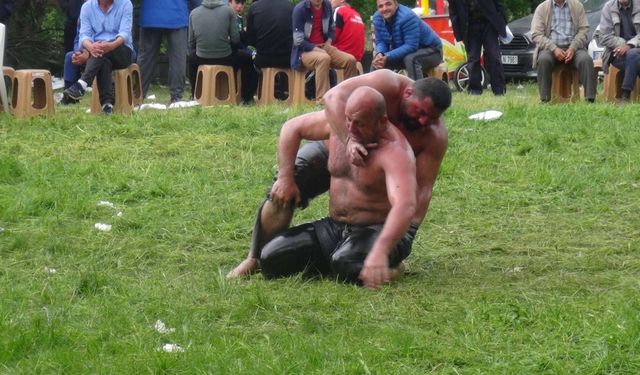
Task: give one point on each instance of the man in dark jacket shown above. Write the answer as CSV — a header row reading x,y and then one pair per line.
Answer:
x,y
269,30
479,23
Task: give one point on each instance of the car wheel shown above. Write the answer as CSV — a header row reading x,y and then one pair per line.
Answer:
x,y
461,77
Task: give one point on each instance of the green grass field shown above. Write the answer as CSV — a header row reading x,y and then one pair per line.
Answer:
x,y
528,261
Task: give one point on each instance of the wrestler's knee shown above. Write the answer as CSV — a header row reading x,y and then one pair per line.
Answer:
x,y
287,253
346,266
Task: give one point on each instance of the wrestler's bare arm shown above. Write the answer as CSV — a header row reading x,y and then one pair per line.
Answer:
x,y
400,179
310,126
427,166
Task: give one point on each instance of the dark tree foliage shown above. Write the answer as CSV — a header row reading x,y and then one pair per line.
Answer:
x,y
35,35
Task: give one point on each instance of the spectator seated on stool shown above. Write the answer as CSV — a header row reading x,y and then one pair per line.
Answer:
x,y
105,32
349,29
619,33
212,33
313,34
559,30
403,41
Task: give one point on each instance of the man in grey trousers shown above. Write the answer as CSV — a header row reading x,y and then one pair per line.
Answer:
x,y
159,18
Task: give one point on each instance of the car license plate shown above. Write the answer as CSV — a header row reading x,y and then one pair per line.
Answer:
x,y
510,59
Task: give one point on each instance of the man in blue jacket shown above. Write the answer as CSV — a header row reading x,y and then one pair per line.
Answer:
x,y
160,18
403,41
312,36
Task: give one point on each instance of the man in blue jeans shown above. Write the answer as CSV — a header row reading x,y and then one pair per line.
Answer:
x,y
105,32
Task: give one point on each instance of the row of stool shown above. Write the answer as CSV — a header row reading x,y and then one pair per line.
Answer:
x,y
33,91
565,85
217,84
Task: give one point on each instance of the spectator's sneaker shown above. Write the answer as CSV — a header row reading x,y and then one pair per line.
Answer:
x,y
67,100
107,109
74,91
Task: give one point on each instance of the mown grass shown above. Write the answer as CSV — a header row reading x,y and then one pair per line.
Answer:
x,y
527,263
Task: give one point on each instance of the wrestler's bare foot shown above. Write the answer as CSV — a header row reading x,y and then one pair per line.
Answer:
x,y
396,273
245,268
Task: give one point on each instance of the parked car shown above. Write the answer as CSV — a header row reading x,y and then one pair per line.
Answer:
x,y
517,56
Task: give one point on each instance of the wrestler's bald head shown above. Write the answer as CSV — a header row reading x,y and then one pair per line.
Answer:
x,y
367,99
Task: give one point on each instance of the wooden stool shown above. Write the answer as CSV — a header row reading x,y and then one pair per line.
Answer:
x,y
440,72
136,84
32,93
564,84
613,85
9,73
123,91
340,72
217,84
267,85
298,88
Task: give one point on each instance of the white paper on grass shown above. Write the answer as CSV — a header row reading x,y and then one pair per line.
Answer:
x,y
183,104
151,106
162,328
171,348
486,116
106,204
103,227
50,271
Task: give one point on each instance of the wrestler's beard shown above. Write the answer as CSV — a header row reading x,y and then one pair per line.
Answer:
x,y
409,123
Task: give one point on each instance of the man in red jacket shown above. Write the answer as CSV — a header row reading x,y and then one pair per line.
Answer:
x,y
349,29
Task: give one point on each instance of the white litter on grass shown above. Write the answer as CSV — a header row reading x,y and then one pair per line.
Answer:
x,y
183,104
520,87
1,229
119,214
515,270
103,227
50,271
151,97
57,83
486,116
162,328
106,204
151,106
171,348
88,110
